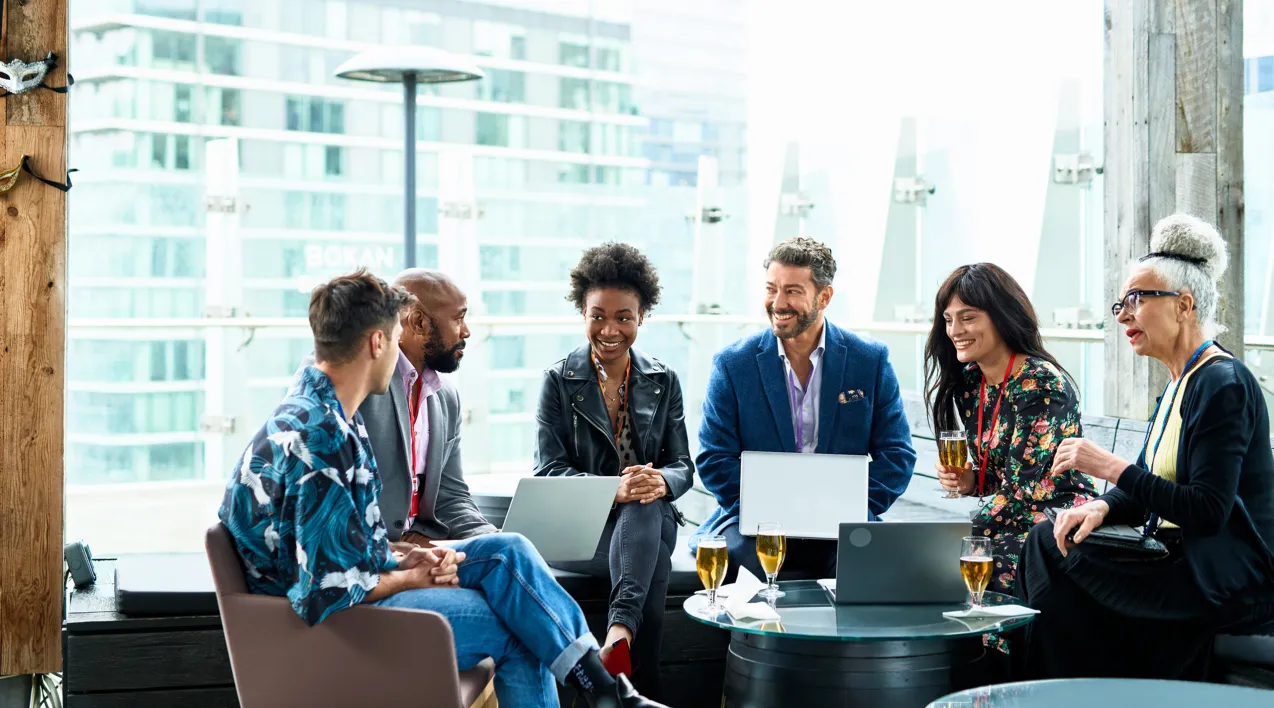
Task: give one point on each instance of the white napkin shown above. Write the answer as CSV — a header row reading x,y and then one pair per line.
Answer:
x,y
740,605
993,611
753,611
745,587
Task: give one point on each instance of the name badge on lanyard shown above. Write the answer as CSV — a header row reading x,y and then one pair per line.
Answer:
x,y
414,408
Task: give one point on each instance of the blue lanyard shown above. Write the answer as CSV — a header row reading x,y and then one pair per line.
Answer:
x,y
1153,523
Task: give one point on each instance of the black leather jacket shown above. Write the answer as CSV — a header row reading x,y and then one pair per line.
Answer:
x,y
573,429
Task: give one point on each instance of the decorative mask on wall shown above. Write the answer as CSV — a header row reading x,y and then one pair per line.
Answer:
x,y
18,76
8,178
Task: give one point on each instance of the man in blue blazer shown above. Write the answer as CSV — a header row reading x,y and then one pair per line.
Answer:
x,y
804,386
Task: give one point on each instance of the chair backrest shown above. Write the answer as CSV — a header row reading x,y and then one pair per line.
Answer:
x,y
364,655
227,569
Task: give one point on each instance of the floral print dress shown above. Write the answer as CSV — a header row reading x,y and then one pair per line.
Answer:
x,y
1040,409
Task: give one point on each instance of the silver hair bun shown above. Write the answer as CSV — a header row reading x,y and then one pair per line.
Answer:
x,y
1193,237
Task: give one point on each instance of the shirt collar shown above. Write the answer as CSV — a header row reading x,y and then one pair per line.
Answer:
x,y
406,370
822,345
313,382
430,382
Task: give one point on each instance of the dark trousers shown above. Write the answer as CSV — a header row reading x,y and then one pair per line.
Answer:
x,y
635,553
1105,614
807,559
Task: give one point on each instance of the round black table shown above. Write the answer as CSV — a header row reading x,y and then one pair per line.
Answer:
x,y
822,654
1108,692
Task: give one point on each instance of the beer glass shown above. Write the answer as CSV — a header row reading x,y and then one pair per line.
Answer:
x,y
711,560
976,564
953,451
771,549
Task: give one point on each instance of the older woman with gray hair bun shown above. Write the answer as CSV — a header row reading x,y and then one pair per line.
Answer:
x,y
1203,487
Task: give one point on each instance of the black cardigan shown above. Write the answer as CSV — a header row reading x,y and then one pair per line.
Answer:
x,y
1223,498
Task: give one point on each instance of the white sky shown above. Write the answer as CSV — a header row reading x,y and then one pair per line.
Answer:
x,y
982,79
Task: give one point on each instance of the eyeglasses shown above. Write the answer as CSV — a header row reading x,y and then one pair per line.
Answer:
x,y
1132,300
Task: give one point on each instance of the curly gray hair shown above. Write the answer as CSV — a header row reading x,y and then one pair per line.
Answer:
x,y
1190,255
801,252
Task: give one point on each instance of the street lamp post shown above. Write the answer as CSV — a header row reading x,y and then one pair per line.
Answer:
x,y
409,66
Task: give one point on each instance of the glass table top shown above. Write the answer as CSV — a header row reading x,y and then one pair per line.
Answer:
x,y
807,612
1108,692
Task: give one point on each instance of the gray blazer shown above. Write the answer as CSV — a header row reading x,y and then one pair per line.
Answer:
x,y
446,509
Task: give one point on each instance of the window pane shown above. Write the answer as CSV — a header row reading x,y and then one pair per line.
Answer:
x,y
568,142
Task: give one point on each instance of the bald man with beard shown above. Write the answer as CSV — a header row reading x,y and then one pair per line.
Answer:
x,y
415,426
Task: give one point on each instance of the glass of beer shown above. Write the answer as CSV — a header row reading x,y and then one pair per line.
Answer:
x,y
771,549
711,560
953,451
976,562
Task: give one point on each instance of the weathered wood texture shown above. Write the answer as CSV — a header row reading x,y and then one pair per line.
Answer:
x,y
1196,72
1162,126
1229,165
32,348
1196,186
1127,187
1174,143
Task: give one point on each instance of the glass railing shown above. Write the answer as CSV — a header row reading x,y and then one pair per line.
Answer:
x,y
147,454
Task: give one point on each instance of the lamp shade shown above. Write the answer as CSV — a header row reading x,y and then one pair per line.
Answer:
x,y
430,65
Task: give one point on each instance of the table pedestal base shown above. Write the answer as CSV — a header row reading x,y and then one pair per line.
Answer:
x,y
774,671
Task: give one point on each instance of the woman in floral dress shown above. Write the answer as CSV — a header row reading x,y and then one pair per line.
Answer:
x,y
1015,402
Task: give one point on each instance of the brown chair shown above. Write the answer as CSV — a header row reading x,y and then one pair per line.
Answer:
x,y
362,656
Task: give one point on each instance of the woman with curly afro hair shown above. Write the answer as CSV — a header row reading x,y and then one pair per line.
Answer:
x,y
609,409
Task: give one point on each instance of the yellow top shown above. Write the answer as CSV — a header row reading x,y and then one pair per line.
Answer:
x,y
1166,427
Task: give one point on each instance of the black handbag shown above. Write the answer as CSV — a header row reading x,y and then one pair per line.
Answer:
x,y
1121,537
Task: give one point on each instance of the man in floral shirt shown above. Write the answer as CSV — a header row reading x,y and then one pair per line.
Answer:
x,y
302,506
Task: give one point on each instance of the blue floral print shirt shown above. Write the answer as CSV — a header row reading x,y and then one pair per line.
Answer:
x,y
302,504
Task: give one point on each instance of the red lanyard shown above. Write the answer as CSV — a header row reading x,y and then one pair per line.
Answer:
x,y
982,445
413,405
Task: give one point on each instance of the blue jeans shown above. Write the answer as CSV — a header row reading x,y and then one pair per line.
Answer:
x,y
510,608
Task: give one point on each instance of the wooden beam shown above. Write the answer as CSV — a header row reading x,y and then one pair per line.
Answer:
x,y
1177,65
1196,75
32,348
1195,177
1127,189
1163,123
1163,16
1229,167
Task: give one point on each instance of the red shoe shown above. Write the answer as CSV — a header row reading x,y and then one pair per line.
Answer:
x,y
619,662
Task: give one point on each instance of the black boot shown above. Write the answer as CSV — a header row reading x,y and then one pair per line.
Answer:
x,y
600,690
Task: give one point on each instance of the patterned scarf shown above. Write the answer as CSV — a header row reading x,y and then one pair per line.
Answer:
x,y
602,378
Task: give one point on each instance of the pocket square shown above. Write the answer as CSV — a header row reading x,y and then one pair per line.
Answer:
x,y
852,396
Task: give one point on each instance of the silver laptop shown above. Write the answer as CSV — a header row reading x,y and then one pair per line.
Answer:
x,y
904,562
562,516
811,495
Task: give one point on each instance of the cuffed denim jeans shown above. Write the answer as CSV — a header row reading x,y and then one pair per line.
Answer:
x,y
510,608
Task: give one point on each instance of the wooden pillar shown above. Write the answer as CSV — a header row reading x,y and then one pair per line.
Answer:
x,y
1174,143
32,347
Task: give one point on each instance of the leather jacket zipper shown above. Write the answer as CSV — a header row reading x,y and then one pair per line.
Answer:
x,y
575,429
599,429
